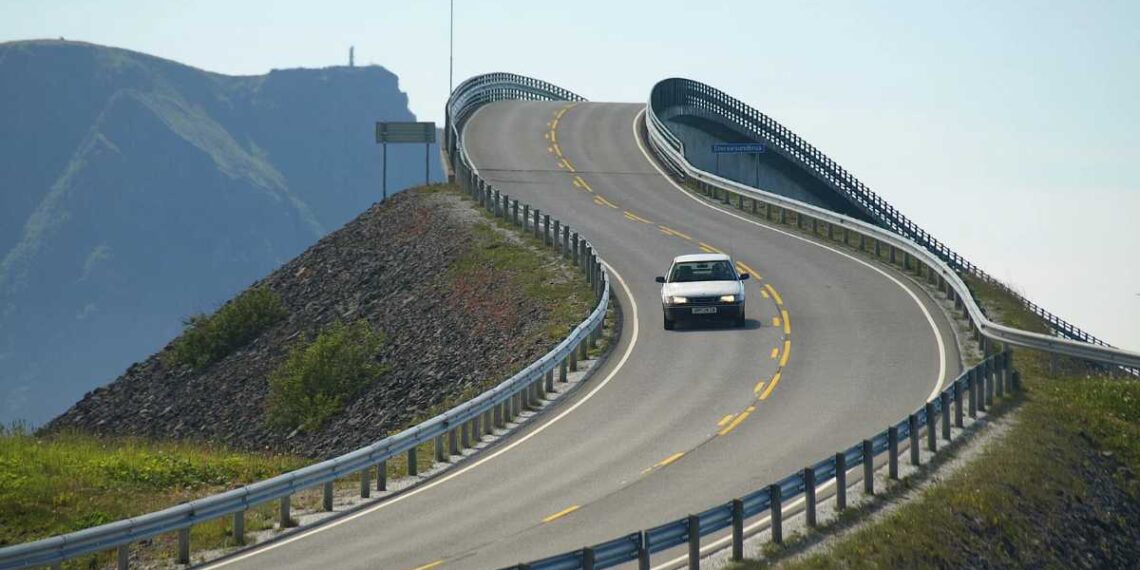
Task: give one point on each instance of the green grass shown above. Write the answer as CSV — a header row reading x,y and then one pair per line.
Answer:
x,y
1076,436
208,339
319,377
67,482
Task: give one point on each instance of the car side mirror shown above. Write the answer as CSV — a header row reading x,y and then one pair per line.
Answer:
x,y
744,277
660,279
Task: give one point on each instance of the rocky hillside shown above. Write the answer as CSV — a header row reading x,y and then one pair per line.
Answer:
x,y
135,191
461,305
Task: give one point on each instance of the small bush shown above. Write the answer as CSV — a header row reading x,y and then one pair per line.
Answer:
x,y
208,339
317,378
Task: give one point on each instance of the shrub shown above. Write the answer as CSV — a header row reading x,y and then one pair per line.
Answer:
x,y
319,377
208,339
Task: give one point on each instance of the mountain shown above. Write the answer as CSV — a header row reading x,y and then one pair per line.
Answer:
x,y
136,191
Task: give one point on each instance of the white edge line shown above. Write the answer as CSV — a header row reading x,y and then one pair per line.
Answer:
x,y
922,306
417,490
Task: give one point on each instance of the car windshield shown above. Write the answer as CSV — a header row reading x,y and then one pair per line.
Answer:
x,y
687,271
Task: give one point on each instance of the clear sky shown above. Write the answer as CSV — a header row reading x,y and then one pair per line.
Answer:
x,y
1010,130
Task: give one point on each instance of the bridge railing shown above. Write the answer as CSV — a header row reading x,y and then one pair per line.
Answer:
x,y
685,96
468,421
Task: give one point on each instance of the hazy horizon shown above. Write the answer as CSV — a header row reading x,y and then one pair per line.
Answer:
x,y
1007,131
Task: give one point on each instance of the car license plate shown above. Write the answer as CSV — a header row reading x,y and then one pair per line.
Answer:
x,y
704,310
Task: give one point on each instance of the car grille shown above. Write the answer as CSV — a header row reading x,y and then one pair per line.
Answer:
x,y
704,300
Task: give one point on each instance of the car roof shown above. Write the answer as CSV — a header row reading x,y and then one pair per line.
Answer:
x,y
701,257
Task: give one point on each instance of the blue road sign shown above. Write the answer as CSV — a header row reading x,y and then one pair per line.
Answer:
x,y
738,148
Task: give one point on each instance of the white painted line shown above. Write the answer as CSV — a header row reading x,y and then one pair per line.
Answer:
x,y
941,379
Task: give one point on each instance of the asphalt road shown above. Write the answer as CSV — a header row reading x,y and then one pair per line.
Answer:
x,y
675,421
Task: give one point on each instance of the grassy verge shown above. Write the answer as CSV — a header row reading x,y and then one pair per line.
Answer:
x,y
68,482
1060,490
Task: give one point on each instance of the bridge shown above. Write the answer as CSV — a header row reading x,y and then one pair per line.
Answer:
x,y
859,325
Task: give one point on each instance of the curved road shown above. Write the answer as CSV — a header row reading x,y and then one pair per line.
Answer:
x,y
674,421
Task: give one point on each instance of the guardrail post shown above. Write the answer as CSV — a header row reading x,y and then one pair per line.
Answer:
x,y
284,520
546,229
549,378
737,530
894,261
536,228
694,530
440,454
238,530
893,453
931,428
990,377
912,426
776,513
584,347
382,476
783,216
809,496
124,556
958,403
868,467
944,399
465,435
327,503
862,242
556,243
515,213
999,375
973,394
587,558
489,422
184,545
980,380
814,226
525,218
477,429
878,249
565,241
497,410
413,466
365,482
573,359
840,481
574,247
830,231
643,552
453,441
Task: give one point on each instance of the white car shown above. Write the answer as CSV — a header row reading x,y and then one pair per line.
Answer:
x,y
702,286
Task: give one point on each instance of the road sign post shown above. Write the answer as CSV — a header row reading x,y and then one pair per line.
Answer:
x,y
403,132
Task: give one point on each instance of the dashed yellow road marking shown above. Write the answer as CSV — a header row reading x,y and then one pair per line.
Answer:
x,y
771,385
557,150
670,459
429,566
672,232
759,386
725,420
787,322
775,295
775,321
582,183
764,293
601,201
636,218
554,125
787,351
735,422
707,250
775,351
755,274
561,513
708,247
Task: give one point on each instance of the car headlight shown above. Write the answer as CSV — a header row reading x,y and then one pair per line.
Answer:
x,y
728,298
675,300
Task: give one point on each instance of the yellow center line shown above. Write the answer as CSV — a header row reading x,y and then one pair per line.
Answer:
x,y
771,385
553,136
735,422
759,386
581,181
561,513
787,351
636,217
670,459
709,247
725,420
775,351
775,295
787,323
775,321
672,232
601,201
554,125
557,149
755,274
429,566
764,293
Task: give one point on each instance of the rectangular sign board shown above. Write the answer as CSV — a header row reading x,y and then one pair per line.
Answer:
x,y
405,132
738,148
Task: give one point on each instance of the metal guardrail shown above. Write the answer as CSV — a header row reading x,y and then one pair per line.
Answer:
x,y
933,260
685,96
972,392
467,421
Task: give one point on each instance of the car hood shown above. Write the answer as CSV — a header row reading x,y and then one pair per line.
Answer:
x,y
702,289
